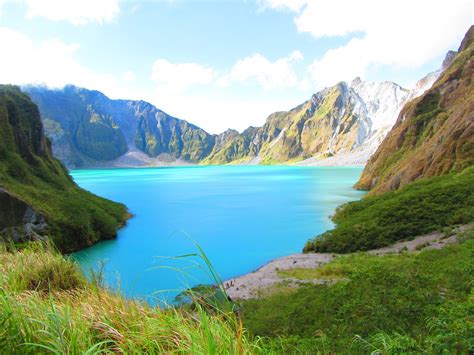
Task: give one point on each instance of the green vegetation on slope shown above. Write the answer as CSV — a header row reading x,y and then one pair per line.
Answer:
x,y
76,218
99,138
235,147
159,133
46,305
417,303
303,132
81,130
420,207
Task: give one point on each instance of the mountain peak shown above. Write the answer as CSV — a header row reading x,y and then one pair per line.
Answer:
x,y
467,40
448,59
356,81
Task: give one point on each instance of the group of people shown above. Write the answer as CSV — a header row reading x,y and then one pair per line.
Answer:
x,y
229,285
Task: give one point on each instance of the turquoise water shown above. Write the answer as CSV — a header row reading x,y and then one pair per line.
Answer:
x,y
241,216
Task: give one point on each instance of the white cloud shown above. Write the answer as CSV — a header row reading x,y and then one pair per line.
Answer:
x,y
216,111
270,75
293,5
179,77
51,63
255,69
77,12
402,34
214,102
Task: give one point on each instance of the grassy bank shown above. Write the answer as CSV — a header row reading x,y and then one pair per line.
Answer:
x,y
420,303
46,305
421,207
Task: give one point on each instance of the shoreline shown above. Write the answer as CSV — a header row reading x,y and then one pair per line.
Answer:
x,y
256,283
245,286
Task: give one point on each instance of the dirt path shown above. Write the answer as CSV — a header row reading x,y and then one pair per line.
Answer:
x,y
254,284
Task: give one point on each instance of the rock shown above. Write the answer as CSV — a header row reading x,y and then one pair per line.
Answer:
x,y
18,221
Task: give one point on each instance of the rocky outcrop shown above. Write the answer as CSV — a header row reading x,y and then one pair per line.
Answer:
x,y
158,133
434,134
233,147
18,221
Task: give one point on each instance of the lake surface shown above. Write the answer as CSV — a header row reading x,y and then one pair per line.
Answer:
x,y
241,216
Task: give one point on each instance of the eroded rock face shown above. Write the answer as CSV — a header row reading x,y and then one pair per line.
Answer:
x,y
18,221
434,134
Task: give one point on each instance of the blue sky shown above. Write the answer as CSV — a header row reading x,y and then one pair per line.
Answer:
x,y
227,63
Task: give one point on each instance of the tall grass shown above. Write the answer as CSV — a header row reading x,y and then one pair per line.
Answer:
x,y
46,305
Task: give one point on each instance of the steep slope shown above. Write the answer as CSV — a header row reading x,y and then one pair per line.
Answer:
x,y
89,129
434,134
158,133
234,147
38,197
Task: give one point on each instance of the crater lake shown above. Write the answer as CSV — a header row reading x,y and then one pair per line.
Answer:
x,y
241,216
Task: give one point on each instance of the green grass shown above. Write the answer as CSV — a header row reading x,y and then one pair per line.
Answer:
x,y
421,303
46,305
421,207
330,271
34,269
76,218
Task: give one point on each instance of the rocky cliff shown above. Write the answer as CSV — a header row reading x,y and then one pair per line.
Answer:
x,y
434,133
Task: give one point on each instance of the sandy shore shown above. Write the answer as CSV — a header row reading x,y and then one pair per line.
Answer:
x,y
255,284
249,285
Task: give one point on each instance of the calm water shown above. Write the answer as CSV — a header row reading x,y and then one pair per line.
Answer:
x,y
241,216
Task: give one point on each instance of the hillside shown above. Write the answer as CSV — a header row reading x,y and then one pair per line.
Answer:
x,y
421,178
434,134
419,207
38,197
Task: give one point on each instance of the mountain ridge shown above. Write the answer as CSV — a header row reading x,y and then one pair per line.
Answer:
x,y
339,125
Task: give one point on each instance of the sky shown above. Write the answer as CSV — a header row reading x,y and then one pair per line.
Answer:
x,y
225,63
